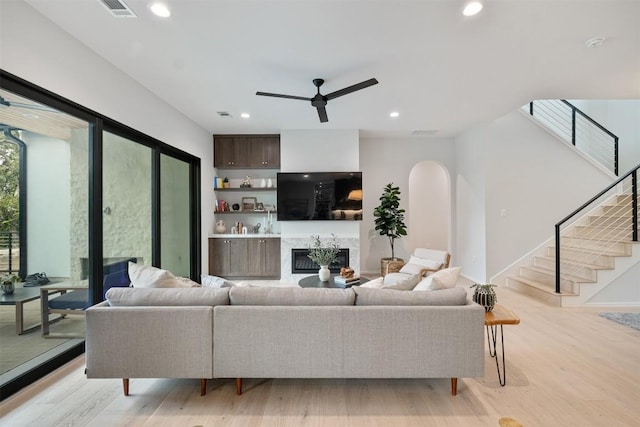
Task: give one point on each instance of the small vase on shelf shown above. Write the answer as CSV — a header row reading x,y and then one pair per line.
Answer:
x,y
324,273
485,295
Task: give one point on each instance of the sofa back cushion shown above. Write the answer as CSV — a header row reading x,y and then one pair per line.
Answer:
x,y
119,297
372,296
290,296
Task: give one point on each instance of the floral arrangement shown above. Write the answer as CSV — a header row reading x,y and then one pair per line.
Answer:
x,y
323,255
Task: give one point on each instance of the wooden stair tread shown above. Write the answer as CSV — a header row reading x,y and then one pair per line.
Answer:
x,y
540,286
563,276
592,251
575,263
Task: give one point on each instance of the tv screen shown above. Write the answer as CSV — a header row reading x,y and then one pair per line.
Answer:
x,y
323,196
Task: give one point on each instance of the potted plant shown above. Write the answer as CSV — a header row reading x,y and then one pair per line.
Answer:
x,y
485,295
323,255
389,221
8,283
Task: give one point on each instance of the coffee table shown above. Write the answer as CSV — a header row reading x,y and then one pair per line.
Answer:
x,y
18,298
499,316
315,282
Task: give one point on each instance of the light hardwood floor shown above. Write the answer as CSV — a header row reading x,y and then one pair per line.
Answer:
x,y
565,367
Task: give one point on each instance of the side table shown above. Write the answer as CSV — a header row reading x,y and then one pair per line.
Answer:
x,y
499,316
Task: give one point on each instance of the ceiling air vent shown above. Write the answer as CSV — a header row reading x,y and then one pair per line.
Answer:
x,y
224,114
118,8
424,132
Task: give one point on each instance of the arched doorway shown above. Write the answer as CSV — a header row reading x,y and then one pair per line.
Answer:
x,y
429,206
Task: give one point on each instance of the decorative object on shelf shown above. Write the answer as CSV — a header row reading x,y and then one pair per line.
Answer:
x,y
269,183
249,203
263,183
245,230
485,295
256,228
246,182
234,230
323,255
221,227
259,207
8,283
225,182
235,207
268,223
389,220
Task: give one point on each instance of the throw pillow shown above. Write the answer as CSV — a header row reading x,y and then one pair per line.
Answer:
x,y
443,279
215,282
420,263
404,285
145,276
374,283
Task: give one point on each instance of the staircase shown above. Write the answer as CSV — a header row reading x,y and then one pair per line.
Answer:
x,y
590,244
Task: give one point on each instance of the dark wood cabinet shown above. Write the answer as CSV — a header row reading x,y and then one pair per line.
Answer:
x,y
240,257
246,151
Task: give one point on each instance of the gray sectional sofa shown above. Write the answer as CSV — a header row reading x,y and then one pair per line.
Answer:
x,y
274,332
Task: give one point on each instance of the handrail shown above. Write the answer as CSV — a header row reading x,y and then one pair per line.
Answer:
x,y
634,215
555,119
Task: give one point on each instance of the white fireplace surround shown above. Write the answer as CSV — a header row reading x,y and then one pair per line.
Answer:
x,y
303,242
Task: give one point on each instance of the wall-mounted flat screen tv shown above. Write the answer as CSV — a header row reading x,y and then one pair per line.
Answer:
x,y
323,196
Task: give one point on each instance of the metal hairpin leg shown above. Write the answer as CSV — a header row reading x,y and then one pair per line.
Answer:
x,y
493,352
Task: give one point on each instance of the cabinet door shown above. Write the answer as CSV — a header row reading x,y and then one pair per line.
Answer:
x,y
264,152
230,152
238,262
219,257
272,257
256,253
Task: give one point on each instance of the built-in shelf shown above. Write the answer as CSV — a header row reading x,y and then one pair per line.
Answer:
x,y
244,212
246,189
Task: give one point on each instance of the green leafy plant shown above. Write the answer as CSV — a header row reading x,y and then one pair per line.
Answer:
x,y
323,254
389,218
483,286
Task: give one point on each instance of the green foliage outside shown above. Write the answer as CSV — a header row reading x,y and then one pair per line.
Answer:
x,y
9,179
389,218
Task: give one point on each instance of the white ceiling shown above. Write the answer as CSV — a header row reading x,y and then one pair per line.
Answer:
x,y
442,71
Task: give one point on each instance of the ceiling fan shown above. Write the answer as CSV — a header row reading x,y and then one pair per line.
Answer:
x,y
319,100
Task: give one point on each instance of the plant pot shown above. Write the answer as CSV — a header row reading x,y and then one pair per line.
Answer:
x,y
394,265
8,288
486,297
324,273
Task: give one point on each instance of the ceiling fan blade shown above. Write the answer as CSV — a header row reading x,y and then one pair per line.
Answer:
x,y
350,89
278,95
322,113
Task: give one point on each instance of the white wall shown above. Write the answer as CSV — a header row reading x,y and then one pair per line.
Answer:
x,y
68,68
385,160
531,181
622,118
430,204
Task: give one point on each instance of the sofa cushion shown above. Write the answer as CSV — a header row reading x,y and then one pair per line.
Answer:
x,y
368,296
290,296
378,283
146,276
443,279
215,282
167,296
406,284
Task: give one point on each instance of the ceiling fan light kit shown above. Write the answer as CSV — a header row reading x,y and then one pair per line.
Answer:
x,y
319,101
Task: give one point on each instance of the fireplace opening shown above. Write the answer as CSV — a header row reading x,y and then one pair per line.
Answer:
x,y
300,262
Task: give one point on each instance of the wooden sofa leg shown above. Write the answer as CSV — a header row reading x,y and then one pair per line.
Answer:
x,y
454,386
125,386
203,386
238,386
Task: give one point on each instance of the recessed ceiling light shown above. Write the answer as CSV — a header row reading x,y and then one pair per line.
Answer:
x,y
245,115
472,8
594,42
160,10
394,114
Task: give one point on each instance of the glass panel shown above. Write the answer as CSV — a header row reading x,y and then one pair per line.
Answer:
x,y
174,216
53,230
126,205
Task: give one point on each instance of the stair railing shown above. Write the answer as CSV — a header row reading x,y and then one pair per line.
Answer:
x,y
610,218
574,126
